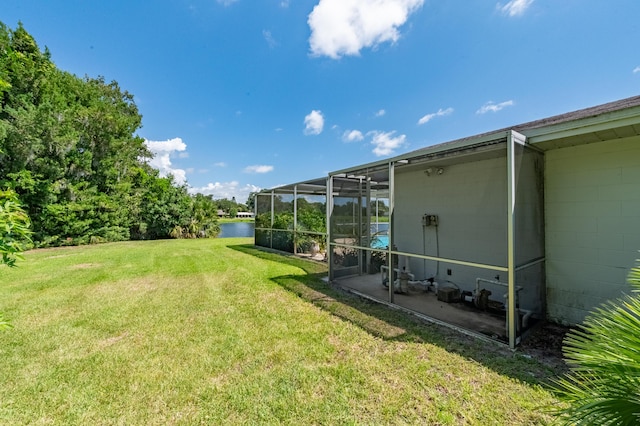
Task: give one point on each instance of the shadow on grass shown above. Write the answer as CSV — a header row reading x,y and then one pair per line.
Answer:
x,y
394,325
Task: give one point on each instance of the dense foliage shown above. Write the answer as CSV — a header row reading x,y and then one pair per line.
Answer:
x,y
14,229
14,235
603,385
69,150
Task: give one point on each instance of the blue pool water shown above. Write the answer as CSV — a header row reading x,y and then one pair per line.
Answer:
x,y
379,236
380,241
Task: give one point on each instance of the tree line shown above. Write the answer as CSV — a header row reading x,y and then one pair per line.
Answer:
x,y
70,153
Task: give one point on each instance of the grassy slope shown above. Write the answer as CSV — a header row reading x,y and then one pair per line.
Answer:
x,y
211,331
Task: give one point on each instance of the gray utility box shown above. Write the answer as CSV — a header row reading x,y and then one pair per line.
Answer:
x,y
448,294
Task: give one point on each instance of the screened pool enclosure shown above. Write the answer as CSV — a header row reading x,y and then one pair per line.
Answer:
x,y
292,219
453,232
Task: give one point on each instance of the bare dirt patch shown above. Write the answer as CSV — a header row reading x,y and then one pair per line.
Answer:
x,y
112,340
84,265
544,343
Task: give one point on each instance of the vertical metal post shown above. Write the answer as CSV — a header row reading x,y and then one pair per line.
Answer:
x,y
368,224
329,204
512,138
255,216
390,232
295,219
272,218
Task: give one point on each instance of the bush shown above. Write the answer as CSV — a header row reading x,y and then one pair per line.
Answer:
x,y
14,228
603,384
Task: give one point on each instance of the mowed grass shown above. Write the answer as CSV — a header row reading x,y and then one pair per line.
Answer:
x,y
216,332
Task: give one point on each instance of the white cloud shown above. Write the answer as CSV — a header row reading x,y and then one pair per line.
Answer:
x,y
385,143
493,107
169,145
258,169
220,164
313,123
380,113
441,113
636,69
161,160
269,38
515,7
227,190
352,136
227,2
344,27
284,3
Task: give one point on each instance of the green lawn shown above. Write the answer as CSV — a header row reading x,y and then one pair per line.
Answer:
x,y
214,331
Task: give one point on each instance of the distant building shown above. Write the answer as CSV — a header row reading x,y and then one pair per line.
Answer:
x,y
245,215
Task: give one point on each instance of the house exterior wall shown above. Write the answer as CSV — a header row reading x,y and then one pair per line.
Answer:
x,y
470,200
592,215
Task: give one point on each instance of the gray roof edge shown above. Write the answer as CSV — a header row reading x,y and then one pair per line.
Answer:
x,y
611,110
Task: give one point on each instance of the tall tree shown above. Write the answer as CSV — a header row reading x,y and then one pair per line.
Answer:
x,y
69,149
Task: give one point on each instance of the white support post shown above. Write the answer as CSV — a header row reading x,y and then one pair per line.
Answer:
x,y
512,138
392,172
295,219
273,196
329,248
367,220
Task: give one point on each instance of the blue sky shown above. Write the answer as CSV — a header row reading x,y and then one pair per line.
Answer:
x,y
238,95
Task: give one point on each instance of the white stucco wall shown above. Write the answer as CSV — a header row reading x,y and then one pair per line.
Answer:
x,y
592,214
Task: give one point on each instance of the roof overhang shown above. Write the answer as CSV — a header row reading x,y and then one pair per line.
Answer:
x,y
613,125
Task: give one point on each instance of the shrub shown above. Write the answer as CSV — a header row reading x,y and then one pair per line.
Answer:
x,y
14,228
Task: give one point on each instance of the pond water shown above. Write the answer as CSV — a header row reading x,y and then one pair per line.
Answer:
x,y
236,229
245,229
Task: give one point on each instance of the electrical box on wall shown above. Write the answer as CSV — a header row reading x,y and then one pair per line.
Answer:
x,y
430,220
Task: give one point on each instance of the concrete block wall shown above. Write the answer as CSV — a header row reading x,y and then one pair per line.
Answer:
x,y
592,216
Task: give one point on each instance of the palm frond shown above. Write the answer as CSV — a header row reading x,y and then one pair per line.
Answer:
x,y
603,384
